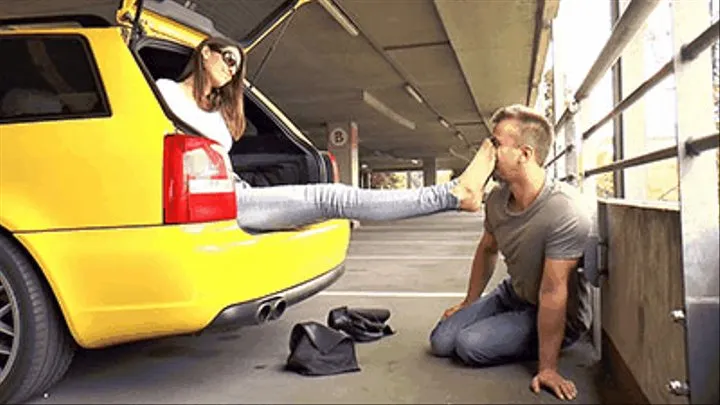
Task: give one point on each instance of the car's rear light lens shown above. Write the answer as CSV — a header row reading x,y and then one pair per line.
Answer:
x,y
199,184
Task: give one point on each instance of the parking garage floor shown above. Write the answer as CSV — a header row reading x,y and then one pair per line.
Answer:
x,y
415,268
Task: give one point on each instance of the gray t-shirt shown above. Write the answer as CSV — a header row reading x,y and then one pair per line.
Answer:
x,y
555,226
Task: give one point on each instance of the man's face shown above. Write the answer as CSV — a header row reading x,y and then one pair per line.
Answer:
x,y
510,157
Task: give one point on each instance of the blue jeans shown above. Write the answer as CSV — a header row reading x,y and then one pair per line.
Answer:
x,y
290,206
498,328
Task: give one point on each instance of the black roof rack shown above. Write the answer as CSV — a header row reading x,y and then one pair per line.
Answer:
x,y
84,20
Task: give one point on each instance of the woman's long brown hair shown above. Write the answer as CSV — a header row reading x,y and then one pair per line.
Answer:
x,y
228,99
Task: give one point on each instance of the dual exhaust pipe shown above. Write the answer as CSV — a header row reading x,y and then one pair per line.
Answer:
x,y
270,310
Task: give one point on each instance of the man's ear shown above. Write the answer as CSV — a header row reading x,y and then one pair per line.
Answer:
x,y
527,153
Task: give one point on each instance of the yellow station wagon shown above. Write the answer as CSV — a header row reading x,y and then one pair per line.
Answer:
x,y
102,241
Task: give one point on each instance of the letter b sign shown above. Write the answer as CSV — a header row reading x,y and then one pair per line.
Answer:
x,y
338,137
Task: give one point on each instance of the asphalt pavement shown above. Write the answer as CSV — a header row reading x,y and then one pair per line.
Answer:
x,y
415,268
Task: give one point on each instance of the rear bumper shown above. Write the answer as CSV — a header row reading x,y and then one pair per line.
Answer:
x,y
119,285
272,306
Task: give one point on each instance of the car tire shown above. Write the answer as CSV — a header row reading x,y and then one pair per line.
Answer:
x,y
36,348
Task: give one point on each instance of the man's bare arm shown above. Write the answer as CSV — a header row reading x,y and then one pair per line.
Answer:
x,y
482,269
552,309
483,266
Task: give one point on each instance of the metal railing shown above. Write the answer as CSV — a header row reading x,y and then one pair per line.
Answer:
x,y
693,147
698,200
623,32
689,52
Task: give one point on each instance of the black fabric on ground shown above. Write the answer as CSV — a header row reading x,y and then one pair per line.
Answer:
x,y
362,324
317,350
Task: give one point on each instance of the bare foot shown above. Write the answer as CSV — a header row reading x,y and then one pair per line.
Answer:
x,y
471,182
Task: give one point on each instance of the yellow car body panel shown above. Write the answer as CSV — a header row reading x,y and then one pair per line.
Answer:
x,y
85,198
134,283
90,172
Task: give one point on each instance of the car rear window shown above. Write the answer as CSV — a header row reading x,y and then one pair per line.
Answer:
x,y
49,77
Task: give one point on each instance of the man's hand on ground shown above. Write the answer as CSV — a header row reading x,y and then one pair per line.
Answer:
x,y
450,311
564,389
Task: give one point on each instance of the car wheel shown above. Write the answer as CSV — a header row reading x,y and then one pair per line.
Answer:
x,y
35,346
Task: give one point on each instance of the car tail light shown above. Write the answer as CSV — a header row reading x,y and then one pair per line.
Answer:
x,y
199,185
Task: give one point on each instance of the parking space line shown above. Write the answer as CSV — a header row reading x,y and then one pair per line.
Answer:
x,y
406,258
431,227
393,294
413,242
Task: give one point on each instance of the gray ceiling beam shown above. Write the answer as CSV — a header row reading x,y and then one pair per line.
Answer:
x,y
546,12
396,67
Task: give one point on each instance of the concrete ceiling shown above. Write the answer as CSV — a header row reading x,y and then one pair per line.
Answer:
x,y
465,58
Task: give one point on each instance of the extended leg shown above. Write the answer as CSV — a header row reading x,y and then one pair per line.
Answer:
x,y
284,207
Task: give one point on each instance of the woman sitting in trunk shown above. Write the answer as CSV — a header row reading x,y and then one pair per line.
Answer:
x,y
210,98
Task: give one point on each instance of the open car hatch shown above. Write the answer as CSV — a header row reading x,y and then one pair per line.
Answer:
x,y
189,23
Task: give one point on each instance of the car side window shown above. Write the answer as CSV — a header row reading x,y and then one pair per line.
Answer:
x,y
49,77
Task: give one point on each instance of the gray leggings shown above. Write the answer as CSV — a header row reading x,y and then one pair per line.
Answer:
x,y
290,206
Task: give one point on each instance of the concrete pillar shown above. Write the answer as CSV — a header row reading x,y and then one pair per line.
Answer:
x,y
429,172
343,143
366,179
699,213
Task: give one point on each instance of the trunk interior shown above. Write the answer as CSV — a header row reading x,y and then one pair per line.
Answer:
x,y
269,153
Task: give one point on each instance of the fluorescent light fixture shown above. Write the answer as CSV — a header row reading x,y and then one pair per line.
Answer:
x,y
370,100
460,136
413,93
340,17
414,161
443,122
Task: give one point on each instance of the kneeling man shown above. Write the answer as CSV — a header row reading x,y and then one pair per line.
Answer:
x,y
541,227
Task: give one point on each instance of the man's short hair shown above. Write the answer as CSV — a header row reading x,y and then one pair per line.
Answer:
x,y
535,129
